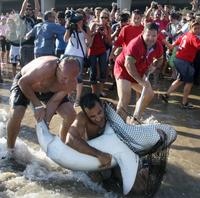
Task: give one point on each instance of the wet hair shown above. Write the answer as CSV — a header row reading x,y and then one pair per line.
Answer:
x,y
151,26
89,100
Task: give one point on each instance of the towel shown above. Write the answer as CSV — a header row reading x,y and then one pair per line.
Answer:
x,y
139,138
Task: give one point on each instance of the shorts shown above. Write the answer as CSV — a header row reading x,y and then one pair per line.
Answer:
x,y
185,70
26,54
17,98
121,73
14,54
4,44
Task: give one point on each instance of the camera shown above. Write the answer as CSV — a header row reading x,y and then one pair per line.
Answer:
x,y
154,4
114,5
72,27
73,18
101,28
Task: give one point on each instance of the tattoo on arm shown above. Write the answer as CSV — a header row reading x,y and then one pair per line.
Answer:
x,y
130,60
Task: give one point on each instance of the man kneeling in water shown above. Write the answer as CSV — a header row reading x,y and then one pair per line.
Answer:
x,y
89,123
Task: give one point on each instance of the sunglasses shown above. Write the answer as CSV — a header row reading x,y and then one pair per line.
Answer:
x,y
104,17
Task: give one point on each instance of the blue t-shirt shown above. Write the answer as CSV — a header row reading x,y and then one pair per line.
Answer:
x,y
61,44
45,35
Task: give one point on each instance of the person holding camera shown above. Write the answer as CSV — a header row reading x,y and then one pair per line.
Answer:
x,y
78,37
114,14
160,16
101,41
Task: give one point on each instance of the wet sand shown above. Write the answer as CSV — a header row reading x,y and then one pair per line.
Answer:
x,y
182,178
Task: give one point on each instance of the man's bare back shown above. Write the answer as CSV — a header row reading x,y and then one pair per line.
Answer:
x,y
41,74
45,82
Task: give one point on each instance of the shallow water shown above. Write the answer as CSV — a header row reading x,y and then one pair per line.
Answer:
x,y
32,174
35,176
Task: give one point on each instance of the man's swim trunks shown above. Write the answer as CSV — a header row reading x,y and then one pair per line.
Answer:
x,y
17,98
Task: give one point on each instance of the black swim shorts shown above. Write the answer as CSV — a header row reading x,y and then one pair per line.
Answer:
x,y
17,98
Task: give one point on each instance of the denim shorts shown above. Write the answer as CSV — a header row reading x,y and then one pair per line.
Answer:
x,y
185,70
81,62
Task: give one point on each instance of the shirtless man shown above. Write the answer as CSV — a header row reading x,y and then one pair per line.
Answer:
x,y
45,82
89,123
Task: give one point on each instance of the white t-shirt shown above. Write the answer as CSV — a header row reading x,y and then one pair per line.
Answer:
x,y
3,29
73,47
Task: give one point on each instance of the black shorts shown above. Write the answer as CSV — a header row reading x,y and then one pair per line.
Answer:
x,y
5,45
17,98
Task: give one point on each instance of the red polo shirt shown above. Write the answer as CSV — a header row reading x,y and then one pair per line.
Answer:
x,y
128,33
137,49
188,44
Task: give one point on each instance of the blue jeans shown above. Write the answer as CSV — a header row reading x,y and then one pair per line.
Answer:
x,y
102,63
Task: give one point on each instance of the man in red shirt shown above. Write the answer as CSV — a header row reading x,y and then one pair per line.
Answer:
x,y
159,16
129,32
188,46
142,53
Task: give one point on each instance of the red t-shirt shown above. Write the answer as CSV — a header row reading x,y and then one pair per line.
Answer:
x,y
188,44
161,23
137,49
98,46
165,23
128,33
161,37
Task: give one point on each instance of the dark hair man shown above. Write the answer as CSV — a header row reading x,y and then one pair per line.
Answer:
x,y
89,123
142,53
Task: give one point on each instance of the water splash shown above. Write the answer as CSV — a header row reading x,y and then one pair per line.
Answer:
x,y
3,119
33,174
150,120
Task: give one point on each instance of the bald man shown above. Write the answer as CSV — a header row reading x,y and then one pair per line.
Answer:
x,y
45,82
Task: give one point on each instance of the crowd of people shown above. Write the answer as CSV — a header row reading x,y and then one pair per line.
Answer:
x,y
55,49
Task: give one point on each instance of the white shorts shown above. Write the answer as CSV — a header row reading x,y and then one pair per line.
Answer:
x,y
14,54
